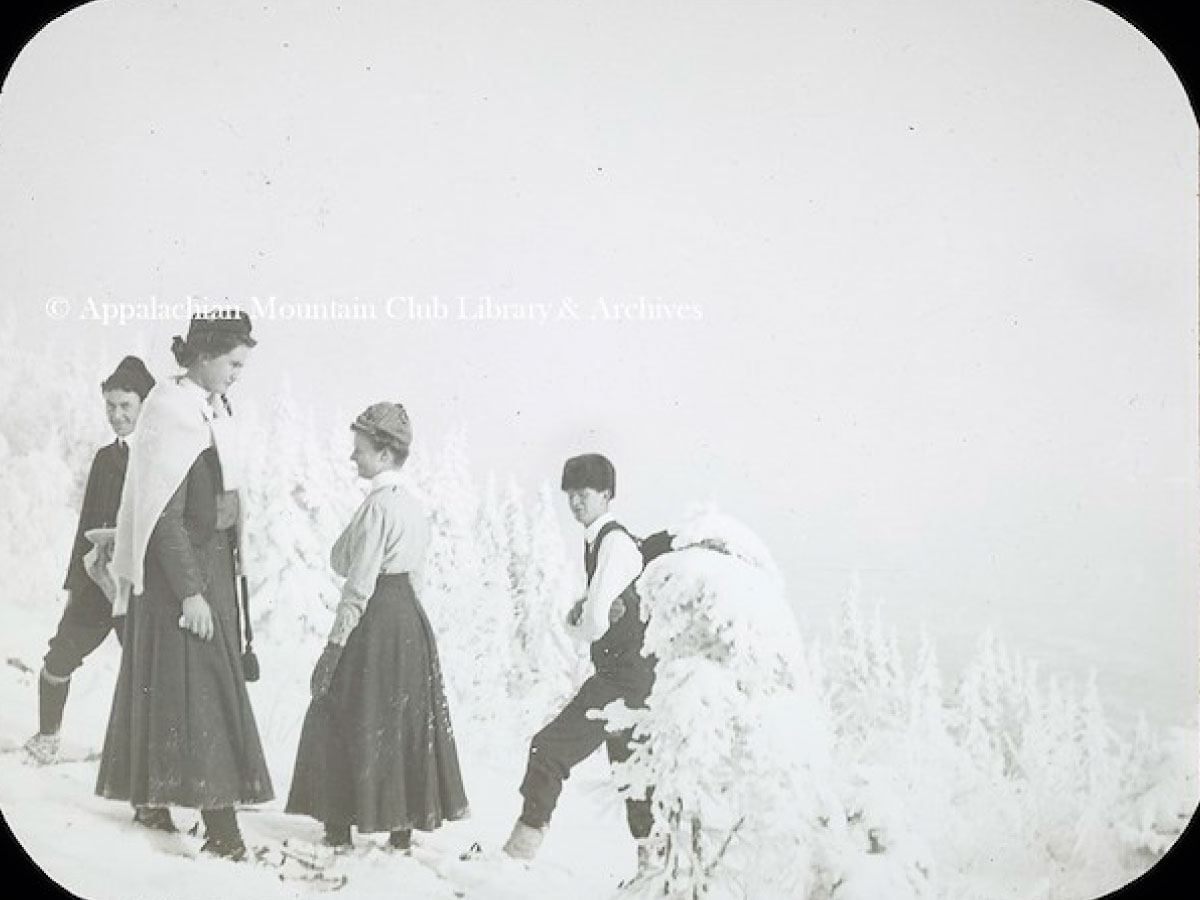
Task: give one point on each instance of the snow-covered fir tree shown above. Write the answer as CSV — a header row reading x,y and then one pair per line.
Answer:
x,y
299,497
547,666
465,591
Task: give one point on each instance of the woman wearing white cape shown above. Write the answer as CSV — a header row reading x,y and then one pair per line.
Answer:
x,y
181,731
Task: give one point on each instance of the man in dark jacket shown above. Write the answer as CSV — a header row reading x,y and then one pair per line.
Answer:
x,y
88,618
609,618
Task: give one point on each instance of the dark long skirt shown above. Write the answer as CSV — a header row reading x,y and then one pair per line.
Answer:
x,y
181,731
378,750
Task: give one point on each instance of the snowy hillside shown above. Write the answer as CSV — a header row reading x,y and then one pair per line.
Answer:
x,y
782,767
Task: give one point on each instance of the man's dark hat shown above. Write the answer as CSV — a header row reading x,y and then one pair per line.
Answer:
x,y
591,470
130,374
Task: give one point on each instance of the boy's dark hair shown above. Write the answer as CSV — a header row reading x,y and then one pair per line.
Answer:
x,y
131,375
591,470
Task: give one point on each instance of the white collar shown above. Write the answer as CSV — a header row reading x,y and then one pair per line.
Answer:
x,y
386,478
205,398
590,533
188,385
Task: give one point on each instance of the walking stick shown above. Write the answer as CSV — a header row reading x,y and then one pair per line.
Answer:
x,y
250,668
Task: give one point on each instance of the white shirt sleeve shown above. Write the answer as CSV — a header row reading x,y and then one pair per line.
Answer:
x,y
358,554
618,565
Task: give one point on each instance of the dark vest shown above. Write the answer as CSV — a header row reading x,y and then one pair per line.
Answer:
x,y
101,499
617,654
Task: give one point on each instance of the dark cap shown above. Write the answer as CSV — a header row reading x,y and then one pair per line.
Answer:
x,y
591,470
130,374
387,424
225,327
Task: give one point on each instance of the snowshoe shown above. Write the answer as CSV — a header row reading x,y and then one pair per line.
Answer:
x,y
42,749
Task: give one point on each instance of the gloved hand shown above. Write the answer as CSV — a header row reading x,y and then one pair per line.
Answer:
x,y
616,611
322,676
575,614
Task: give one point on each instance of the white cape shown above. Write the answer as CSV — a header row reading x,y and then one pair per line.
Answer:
x,y
173,430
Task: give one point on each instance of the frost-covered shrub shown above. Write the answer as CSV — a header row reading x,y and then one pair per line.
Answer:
x,y
734,740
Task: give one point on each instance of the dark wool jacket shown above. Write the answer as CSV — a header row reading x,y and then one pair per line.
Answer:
x,y
101,499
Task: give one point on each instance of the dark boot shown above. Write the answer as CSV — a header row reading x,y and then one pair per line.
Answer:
x,y
233,849
401,839
224,838
338,836
156,818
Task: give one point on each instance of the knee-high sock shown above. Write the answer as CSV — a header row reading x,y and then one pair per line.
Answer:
x,y
52,699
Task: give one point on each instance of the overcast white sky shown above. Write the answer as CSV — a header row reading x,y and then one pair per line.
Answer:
x,y
944,256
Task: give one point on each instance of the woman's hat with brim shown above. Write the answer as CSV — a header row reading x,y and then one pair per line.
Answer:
x,y
386,423
226,326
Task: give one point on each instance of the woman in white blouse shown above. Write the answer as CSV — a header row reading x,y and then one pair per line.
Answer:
x,y
377,749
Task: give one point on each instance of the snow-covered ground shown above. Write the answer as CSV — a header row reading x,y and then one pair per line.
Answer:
x,y
90,845
911,816
836,768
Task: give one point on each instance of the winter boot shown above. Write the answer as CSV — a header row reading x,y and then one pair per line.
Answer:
x,y
230,848
524,841
224,838
42,748
337,836
156,818
401,839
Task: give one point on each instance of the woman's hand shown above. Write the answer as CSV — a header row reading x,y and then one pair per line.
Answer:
x,y
197,617
322,676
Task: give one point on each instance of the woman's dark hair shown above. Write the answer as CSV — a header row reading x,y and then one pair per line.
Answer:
x,y
212,335
186,353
